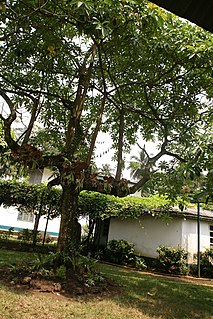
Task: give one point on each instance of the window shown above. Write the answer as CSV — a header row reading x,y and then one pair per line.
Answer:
x,y
211,235
25,217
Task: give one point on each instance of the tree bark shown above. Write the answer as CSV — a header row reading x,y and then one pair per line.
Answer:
x,y
68,233
45,231
120,147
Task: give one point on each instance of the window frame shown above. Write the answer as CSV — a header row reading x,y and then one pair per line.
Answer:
x,y
25,217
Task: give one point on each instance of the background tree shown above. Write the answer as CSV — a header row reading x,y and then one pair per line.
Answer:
x,y
122,67
106,169
137,165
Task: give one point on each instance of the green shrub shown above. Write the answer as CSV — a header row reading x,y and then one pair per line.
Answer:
x,y
39,237
139,262
173,260
27,235
206,263
10,231
49,239
4,235
121,252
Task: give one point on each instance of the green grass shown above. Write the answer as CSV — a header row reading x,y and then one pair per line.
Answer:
x,y
9,257
162,296
141,296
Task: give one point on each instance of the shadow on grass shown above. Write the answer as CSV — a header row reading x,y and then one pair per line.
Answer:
x,y
161,297
153,296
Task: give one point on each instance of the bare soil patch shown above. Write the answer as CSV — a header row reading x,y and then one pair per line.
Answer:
x,y
35,283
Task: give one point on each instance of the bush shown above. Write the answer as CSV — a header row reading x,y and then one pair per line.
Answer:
x,y
206,263
121,251
173,260
139,262
48,239
27,235
5,235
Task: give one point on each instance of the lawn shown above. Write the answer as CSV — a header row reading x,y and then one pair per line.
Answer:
x,y
141,296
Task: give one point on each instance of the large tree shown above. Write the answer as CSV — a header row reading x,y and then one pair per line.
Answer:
x,y
72,68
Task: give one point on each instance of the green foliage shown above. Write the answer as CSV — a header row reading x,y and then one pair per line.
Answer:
x,y
6,234
30,197
27,235
139,263
173,260
84,267
2,140
149,71
103,206
61,272
154,65
48,239
207,263
137,165
121,251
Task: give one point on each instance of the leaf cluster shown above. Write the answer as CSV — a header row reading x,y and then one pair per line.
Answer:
x,y
32,197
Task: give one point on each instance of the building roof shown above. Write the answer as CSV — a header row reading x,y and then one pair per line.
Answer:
x,y
199,12
192,213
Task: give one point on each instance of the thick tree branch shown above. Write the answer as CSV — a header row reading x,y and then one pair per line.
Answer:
x,y
101,111
78,103
8,121
32,121
121,125
146,177
120,146
151,107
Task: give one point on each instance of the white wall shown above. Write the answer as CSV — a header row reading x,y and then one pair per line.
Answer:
x,y
147,233
190,236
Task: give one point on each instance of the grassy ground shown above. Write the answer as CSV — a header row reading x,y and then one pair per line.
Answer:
x,y
9,257
162,297
141,296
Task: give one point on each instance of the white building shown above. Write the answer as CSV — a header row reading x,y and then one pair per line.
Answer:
x,y
147,232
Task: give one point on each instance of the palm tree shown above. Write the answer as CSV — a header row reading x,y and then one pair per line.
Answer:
x,y
106,169
137,165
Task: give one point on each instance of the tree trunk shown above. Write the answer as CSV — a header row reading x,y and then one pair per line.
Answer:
x,y
45,231
68,233
35,228
120,147
37,219
87,241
